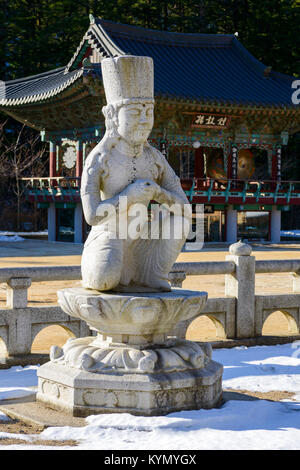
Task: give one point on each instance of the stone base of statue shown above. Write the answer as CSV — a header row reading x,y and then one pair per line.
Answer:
x,y
133,365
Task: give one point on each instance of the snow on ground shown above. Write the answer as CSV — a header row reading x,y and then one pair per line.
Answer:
x,y
238,424
11,238
262,368
17,381
18,236
290,233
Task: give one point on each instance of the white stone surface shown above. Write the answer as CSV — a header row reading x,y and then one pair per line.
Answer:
x,y
138,314
16,292
97,356
231,224
241,285
82,393
240,249
275,225
124,167
132,365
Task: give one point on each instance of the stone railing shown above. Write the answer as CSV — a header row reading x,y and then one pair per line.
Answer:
x,y
239,314
20,323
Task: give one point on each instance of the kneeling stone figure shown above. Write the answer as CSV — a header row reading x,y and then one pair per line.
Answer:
x,y
124,165
135,364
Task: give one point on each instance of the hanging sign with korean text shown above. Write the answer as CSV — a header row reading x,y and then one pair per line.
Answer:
x,y
278,163
212,121
234,162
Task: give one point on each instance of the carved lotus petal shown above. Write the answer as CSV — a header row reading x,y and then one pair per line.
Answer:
x,y
145,313
67,302
89,312
127,314
86,361
131,358
170,359
191,307
147,363
55,353
99,355
82,353
109,310
197,359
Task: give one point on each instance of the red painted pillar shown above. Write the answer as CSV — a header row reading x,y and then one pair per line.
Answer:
x,y
52,159
79,159
52,211
79,219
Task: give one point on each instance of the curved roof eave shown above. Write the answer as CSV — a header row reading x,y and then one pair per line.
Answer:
x,y
39,87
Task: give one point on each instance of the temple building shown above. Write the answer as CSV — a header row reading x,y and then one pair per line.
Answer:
x,y
221,119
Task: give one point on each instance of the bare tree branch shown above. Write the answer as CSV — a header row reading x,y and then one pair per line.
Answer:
x,y
18,157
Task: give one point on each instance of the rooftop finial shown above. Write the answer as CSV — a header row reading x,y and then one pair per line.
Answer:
x,y
92,18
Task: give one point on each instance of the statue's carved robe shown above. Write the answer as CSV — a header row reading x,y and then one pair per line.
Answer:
x,y
109,261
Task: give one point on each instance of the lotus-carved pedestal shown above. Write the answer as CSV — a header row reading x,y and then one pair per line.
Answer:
x,y
133,364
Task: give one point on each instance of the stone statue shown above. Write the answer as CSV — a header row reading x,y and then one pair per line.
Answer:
x,y
123,165
136,363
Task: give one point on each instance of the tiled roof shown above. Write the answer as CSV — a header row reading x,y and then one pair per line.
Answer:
x,y
203,67
207,68
37,87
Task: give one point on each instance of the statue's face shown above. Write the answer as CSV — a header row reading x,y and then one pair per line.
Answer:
x,y
135,122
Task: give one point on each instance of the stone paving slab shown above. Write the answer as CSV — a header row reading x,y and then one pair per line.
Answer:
x,y
28,411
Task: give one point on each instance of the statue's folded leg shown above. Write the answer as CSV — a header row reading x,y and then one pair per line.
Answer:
x,y
101,262
157,256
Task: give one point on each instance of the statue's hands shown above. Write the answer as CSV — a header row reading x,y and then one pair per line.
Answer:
x,y
141,191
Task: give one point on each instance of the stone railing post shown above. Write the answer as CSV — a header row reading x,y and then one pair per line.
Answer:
x,y
16,293
296,282
241,285
19,319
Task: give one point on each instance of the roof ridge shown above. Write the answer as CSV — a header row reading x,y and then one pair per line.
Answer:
x,y
34,77
132,30
98,39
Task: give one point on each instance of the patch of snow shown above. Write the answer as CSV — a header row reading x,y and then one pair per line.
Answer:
x,y
245,424
11,238
17,381
290,233
3,417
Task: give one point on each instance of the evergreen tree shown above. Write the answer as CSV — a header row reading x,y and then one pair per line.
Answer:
x,y
37,35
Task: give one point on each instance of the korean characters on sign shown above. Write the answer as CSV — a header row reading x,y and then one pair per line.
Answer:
x,y
234,164
278,161
217,121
